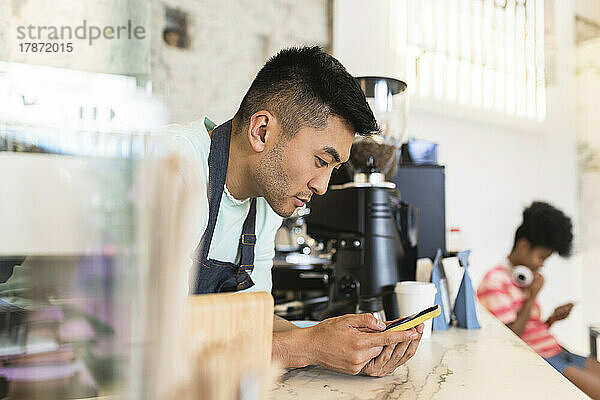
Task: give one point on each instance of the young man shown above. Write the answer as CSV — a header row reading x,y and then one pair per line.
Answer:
x,y
295,125
544,230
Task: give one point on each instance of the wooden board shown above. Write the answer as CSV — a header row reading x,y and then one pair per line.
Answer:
x,y
223,317
230,336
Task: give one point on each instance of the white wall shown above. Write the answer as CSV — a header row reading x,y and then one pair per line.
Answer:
x,y
588,135
495,166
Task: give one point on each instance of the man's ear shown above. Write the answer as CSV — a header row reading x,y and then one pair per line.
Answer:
x,y
263,128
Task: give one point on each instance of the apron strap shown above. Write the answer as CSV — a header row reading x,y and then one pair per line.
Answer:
x,y
248,239
218,159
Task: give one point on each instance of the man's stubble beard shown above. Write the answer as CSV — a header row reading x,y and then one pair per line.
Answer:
x,y
273,181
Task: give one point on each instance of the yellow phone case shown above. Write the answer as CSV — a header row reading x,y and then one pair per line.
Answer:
x,y
414,320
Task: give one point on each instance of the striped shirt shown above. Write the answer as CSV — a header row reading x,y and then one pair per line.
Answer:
x,y
504,299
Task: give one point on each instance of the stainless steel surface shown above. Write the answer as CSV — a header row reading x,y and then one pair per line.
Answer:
x,y
594,334
390,185
314,275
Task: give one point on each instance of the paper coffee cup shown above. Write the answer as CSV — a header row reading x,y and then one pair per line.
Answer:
x,y
414,297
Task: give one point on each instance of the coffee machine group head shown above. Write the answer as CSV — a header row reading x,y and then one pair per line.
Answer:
x,y
373,233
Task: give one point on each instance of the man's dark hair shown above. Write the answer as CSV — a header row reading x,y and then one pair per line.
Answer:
x,y
547,226
304,86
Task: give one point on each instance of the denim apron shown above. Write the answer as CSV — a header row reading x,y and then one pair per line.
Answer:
x,y
213,276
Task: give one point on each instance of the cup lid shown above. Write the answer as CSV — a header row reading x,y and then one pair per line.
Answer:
x,y
415,287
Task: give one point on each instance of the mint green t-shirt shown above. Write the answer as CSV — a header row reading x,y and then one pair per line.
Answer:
x,y
193,143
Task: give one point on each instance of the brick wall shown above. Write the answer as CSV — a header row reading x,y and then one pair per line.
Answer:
x,y
229,42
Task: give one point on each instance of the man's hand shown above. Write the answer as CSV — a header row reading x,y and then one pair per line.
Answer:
x,y
392,356
560,313
536,285
344,344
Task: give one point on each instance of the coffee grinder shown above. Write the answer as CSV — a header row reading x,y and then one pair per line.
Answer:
x,y
372,233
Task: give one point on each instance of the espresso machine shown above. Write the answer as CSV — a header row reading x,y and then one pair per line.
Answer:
x,y
371,231
301,270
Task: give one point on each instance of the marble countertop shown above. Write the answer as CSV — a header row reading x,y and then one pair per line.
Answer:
x,y
491,363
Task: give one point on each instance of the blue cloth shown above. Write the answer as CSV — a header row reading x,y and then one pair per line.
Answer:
x,y
465,308
565,359
438,278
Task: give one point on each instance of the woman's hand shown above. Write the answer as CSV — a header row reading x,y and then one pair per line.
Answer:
x,y
560,313
536,285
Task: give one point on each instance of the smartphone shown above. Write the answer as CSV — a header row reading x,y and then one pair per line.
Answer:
x,y
411,321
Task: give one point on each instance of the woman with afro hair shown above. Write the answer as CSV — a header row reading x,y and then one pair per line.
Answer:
x,y
545,230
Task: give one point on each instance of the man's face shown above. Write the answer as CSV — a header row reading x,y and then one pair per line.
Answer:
x,y
300,166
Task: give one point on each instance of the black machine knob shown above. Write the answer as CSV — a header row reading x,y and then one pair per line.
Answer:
x,y
348,286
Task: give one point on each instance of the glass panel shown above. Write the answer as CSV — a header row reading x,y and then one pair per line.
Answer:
x,y
71,228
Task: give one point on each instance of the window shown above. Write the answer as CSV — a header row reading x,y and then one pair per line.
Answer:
x,y
487,54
